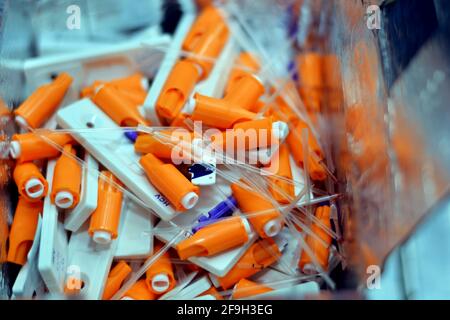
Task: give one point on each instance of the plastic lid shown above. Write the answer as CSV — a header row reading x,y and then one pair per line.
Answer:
x,y
34,188
272,227
189,200
102,237
160,283
64,199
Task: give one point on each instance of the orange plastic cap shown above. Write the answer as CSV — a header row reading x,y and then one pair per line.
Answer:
x,y
246,288
244,60
259,256
213,292
282,164
67,177
118,108
165,177
245,93
206,39
147,143
180,121
215,238
30,182
295,142
115,279
105,219
23,230
266,130
166,144
30,146
320,251
43,102
160,277
310,70
177,89
217,112
267,224
139,291
253,134
136,81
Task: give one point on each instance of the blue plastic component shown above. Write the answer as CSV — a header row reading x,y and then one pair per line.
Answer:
x,y
223,209
131,135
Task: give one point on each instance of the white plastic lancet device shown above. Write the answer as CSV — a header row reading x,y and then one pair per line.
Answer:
x,y
54,241
88,196
121,159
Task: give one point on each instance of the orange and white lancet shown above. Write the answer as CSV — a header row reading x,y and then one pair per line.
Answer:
x,y
133,96
215,238
43,102
259,256
136,97
257,134
332,82
180,121
320,249
280,110
283,170
177,89
294,140
166,144
30,182
216,112
245,60
118,108
212,292
135,83
206,39
23,229
147,143
160,277
116,277
245,93
139,291
233,108
105,219
310,70
269,222
34,146
246,288
165,177
66,186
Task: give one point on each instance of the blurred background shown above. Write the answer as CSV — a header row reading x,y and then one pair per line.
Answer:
x,y
389,133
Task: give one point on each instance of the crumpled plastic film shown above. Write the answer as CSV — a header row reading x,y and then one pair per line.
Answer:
x,y
392,177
